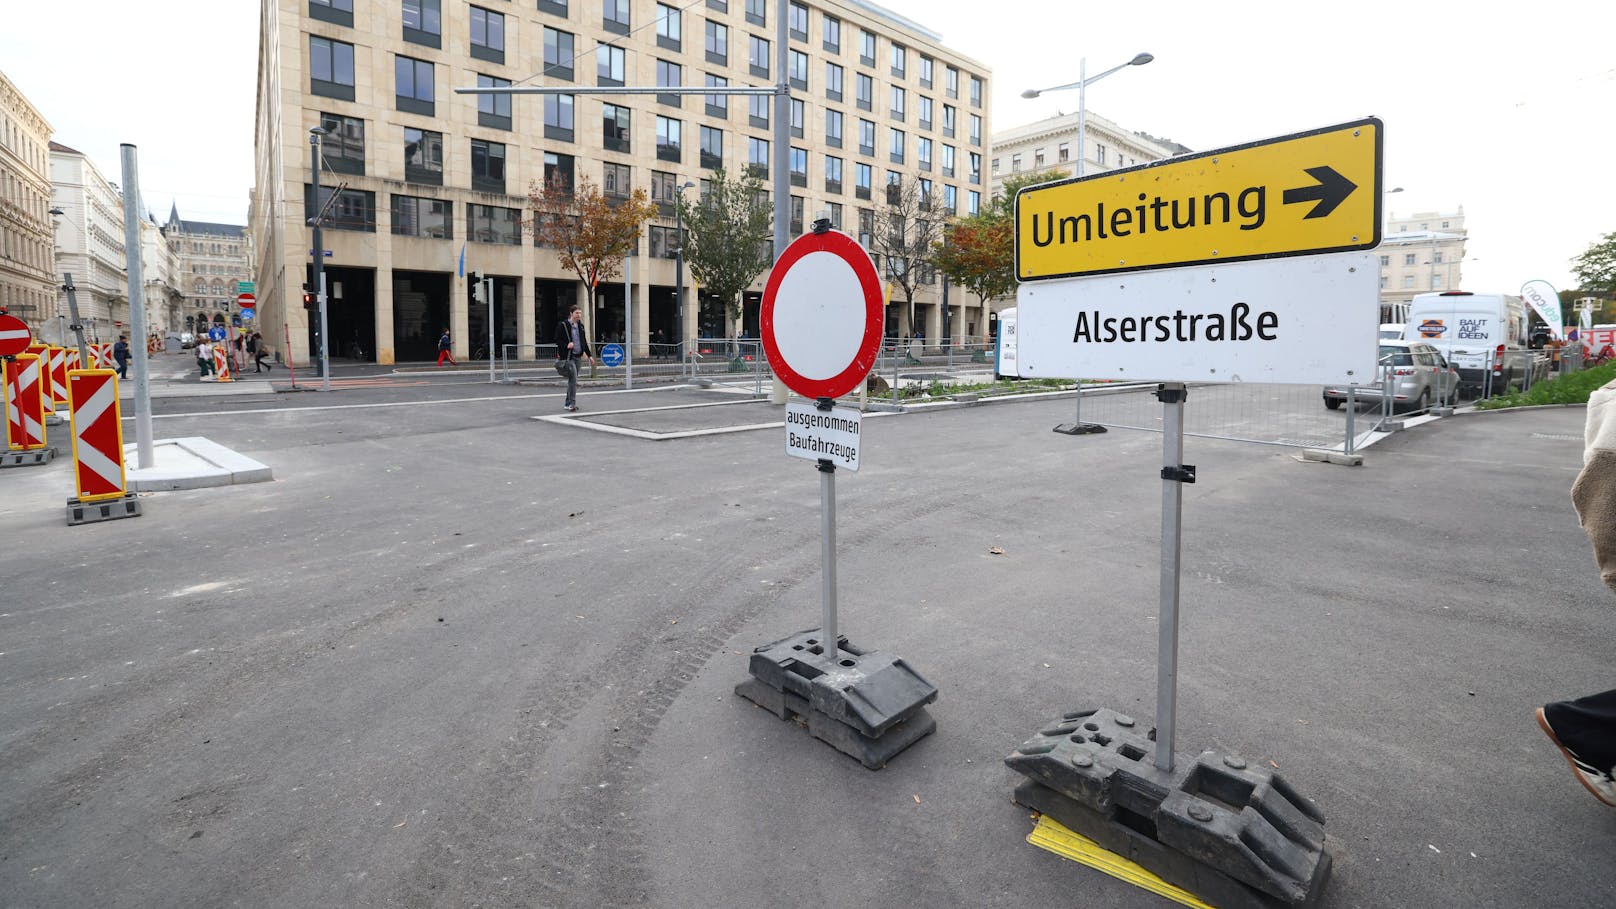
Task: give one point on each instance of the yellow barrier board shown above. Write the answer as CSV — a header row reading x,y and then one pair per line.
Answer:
x,y
1050,835
1304,194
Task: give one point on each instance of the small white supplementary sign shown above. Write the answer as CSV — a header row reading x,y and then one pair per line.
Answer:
x,y
823,435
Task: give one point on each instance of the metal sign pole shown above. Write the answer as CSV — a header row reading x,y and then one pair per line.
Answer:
x,y
145,449
488,294
628,315
827,548
1174,474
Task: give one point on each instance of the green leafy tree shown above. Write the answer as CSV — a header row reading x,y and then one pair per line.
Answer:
x,y
726,237
1596,268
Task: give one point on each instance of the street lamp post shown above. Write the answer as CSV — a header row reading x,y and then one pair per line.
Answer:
x,y
1078,427
318,254
1081,84
679,268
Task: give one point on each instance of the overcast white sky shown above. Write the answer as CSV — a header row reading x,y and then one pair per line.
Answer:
x,y
1508,112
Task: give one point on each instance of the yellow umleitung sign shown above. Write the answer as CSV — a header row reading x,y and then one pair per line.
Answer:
x,y
1304,194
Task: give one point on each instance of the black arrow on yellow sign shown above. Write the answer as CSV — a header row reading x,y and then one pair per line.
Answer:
x,y
1330,191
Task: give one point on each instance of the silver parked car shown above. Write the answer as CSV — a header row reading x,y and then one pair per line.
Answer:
x,y
1419,377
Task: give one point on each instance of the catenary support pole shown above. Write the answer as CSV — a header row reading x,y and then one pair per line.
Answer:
x,y
628,315
145,453
76,325
318,254
1172,396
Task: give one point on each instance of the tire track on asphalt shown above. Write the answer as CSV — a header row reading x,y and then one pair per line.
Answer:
x,y
585,848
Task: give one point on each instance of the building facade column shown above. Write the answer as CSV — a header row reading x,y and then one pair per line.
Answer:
x,y
460,315
527,304
640,343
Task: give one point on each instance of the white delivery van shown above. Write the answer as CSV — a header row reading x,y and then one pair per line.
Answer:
x,y
1483,336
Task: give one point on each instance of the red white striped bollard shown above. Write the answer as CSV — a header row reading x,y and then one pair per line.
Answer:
x,y
57,386
98,450
221,365
42,351
25,413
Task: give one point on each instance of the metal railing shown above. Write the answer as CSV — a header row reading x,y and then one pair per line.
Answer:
x,y
716,359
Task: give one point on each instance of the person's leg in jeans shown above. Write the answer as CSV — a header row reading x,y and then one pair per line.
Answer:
x,y
572,384
1585,731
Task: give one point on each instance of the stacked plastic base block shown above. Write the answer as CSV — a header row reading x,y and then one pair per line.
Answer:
x,y
127,506
1234,836
866,704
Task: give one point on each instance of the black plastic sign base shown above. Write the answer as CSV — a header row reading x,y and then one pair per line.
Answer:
x,y
866,704
110,510
31,457
1238,837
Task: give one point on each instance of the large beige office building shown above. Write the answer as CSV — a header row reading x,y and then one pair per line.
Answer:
x,y
1420,253
1048,149
420,173
27,286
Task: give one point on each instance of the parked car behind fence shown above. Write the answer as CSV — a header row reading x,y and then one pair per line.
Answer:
x,y
1419,376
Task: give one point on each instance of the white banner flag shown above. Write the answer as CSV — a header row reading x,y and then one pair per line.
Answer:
x,y
1541,296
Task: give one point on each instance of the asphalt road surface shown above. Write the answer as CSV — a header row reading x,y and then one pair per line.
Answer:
x,y
455,656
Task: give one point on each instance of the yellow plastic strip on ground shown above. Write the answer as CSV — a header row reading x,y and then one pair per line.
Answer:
x,y
1051,835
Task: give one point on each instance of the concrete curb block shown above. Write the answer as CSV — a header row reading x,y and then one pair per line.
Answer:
x,y
192,463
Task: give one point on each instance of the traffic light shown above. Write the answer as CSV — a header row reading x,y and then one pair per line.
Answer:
x,y
310,299
477,286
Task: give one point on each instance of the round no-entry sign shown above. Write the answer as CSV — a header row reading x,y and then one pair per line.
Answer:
x,y
246,300
821,315
14,336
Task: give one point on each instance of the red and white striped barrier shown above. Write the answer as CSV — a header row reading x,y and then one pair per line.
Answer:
x,y
103,356
97,434
25,413
42,351
57,386
221,365
98,467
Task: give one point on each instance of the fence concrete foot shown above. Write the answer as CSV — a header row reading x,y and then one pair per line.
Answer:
x,y
1332,457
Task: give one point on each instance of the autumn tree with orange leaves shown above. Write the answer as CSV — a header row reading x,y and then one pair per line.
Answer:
x,y
590,232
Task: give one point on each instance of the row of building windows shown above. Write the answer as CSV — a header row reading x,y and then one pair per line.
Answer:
x,y
344,148
422,22
423,156
331,75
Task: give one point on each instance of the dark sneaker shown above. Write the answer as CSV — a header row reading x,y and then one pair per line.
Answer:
x,y
1593,779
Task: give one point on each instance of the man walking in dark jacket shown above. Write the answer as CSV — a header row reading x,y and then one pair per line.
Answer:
x,y
572,345
120,353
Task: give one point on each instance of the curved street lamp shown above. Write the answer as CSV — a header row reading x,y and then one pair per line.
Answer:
x,y
1082,82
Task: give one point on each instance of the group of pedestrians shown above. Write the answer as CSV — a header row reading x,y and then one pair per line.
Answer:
x,y
252,344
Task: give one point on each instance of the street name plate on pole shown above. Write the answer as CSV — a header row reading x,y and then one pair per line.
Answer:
x,y
823,435
1243,264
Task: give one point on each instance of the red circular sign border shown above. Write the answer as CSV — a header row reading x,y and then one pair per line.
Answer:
x,y
29,340
848,250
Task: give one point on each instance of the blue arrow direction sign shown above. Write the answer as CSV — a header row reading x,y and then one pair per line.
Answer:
x,y
612,355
